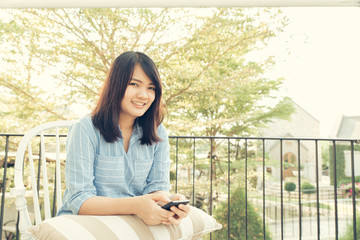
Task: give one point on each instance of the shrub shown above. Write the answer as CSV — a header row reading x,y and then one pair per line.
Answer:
x,y
348,180
346,190
290,186
238,219
307,188
349,230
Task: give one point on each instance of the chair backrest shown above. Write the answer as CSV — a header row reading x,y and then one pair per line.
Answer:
x,y
49,161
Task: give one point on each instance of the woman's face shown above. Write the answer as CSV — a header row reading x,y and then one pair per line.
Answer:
x,y
139,95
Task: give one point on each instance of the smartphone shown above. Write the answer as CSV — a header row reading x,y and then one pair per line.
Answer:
x,y
175,203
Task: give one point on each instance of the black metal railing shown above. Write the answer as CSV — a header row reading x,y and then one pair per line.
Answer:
x,y
219,174
315,209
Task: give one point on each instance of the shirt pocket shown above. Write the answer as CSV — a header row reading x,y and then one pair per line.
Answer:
x,y
108,170
142,170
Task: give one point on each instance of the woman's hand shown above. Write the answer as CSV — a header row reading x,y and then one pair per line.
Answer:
x,y
150,212
180,212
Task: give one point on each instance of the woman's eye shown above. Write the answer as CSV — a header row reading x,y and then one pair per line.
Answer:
x,y
133,84
152,88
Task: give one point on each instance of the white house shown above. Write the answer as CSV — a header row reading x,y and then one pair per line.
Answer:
x,y
301,125
348,127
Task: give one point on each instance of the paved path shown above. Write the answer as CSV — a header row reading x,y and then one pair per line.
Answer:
x,y
309,228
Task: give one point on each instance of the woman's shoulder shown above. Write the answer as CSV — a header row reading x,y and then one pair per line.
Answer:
x,y
161,130
84,121
161,127
85,124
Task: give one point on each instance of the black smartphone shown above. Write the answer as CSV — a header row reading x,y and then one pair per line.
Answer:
x,y
175,203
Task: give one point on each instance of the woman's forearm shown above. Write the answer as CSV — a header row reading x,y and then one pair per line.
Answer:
x,y
146,207
109,206
166,194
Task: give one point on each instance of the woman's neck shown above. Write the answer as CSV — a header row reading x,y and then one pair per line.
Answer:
x,y
126,124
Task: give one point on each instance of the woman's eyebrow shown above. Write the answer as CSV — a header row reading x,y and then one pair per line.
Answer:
x,y
134,79
138,80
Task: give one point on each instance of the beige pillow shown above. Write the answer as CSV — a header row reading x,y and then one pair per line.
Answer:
x,y
131,227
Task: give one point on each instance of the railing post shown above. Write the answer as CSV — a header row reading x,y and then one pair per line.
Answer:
x,y
229,194
211,176
246,206
281,190
317,188
263,183
4,186
193,195
17,227
299,189
353,189
176,164
335,193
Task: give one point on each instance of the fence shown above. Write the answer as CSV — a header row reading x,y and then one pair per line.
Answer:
x,y
244,183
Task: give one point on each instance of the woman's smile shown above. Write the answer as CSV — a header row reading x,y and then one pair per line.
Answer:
x,y
139,104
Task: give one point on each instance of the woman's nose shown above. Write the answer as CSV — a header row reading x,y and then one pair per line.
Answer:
x,y
142,93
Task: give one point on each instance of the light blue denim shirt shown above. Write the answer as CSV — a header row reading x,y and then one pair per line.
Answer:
x,y
95,167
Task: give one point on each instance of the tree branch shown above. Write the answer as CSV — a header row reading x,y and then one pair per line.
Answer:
x,y
35,100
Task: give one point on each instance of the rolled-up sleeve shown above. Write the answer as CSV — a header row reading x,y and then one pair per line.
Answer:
x,y
158,178
79,170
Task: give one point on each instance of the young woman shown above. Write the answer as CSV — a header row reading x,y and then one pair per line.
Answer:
x,y
118,158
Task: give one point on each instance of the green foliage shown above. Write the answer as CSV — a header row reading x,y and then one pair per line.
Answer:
x,y
9,178
341,178
307,188
211,87
349,234
238,219
172,176
290,186
325,156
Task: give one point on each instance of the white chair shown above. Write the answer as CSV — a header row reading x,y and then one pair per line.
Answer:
x,y
19,191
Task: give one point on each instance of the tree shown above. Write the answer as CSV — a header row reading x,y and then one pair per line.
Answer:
x,y
208,54
238,220
225,89
24,59
290,187
211,87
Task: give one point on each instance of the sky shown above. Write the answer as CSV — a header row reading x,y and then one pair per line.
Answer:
x,y
322,70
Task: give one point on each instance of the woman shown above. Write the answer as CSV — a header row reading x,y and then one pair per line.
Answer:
x,y
118,159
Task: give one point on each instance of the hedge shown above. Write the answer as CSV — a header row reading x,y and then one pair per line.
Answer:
x,y
341,178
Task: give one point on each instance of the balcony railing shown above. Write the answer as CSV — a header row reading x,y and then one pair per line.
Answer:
x,y
288,188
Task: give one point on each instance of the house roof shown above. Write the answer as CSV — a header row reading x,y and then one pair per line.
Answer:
x,y
348,127
300,124
304,111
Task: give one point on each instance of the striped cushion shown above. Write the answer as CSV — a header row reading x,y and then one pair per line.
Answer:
x,y
131,227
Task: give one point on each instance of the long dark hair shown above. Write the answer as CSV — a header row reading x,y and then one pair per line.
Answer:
x,y
105,115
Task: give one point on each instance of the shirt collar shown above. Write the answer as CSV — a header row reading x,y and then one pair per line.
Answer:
x,y
137,131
